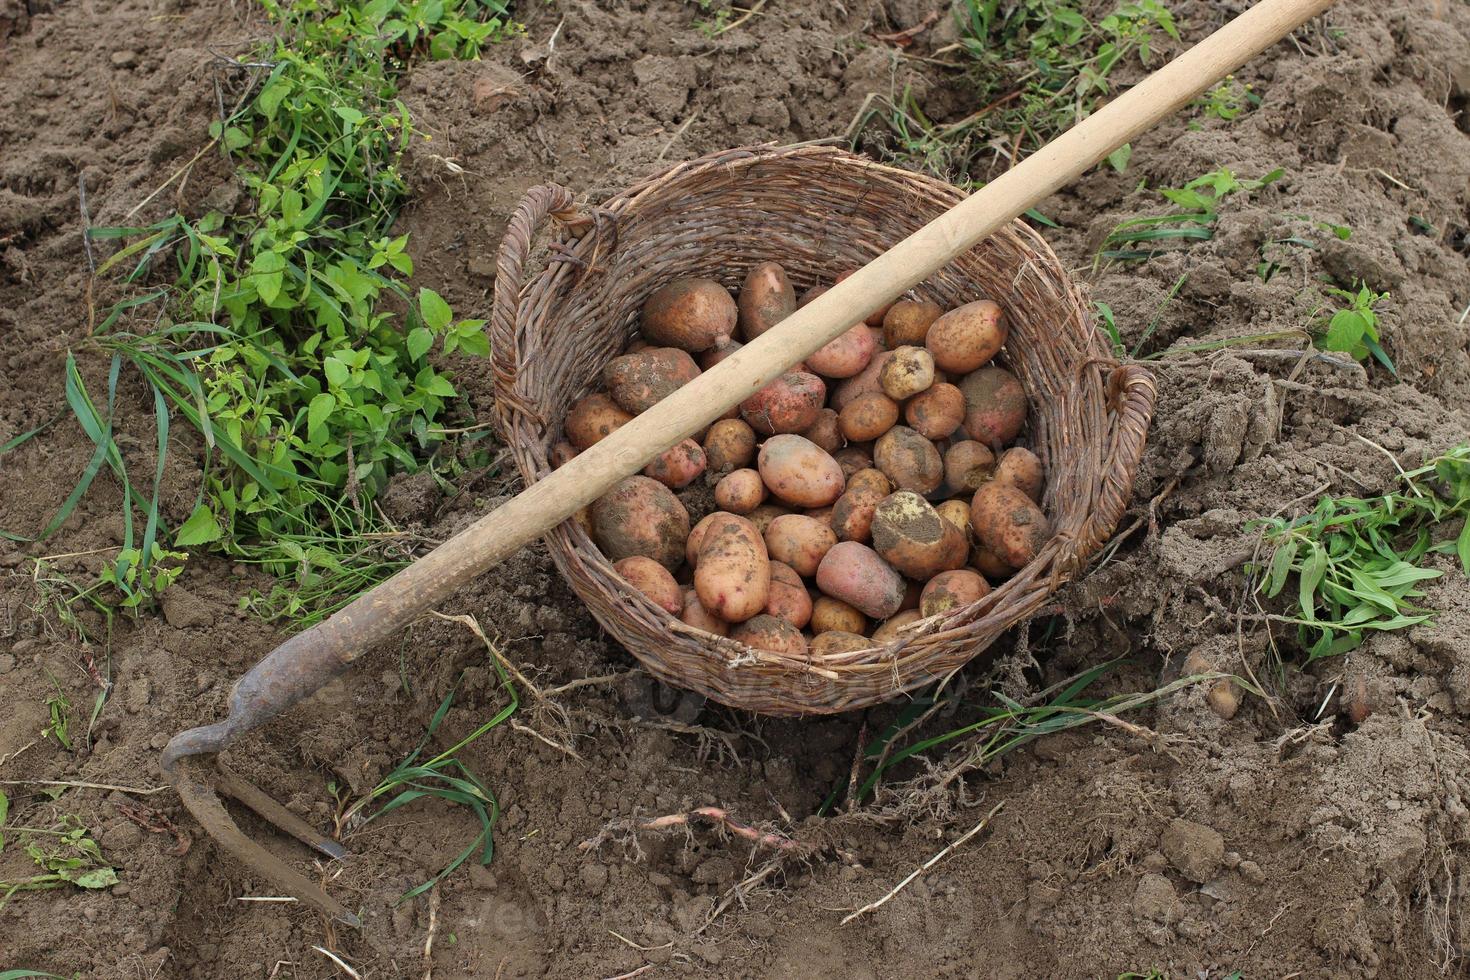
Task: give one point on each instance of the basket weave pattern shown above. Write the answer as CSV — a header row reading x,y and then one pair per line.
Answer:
x,y
818,211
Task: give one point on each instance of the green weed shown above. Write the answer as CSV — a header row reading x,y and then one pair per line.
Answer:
x,y
1353,327
1226,101
1358,563
58,713
68,856
1198,208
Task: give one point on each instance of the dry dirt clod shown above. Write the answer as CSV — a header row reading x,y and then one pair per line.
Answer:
x,y
1194,850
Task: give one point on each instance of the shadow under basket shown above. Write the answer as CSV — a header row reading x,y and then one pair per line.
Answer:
x,y
818,211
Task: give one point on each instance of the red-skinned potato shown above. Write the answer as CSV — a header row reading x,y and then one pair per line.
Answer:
x,y
770,633
845,355
834,615
861,383
653,580
987,563
853,459
561,454
967,337
639,381
799,541
825,432
995,405
639,516
908,322
763,515
937,412
729,445
718,353
593,419
875,319
697,616
835,642
868,416
733,576
740,491
789,404
909,371
909,460
1008,523
822,515
852,515
950,590
1020,467
810,295
788,599
690,314
799,472
911,592
677,466
766,298
696,538
888,631
855,574
967,465
911,536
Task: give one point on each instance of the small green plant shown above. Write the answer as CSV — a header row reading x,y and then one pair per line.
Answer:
x,y
1227,100
1358,563
58,713
1198,203
142,582
1353,327
70,856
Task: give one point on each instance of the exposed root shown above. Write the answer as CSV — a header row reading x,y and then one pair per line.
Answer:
x,y
625,829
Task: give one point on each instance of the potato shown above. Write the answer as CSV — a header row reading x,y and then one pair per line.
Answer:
x,y
740,492
909,371
637,382
799,541
697,616
810,295
733,576
909,460
791,403
965,338
950,590
593,419
908,322
855,574
852,515
912,592
690,314
561,454
967,464
763,515
835,642
653,580
888,631
853,459
1009,523
766,298
729,445
861,383
635,345
829,614
957,512
845,355
677,466
718,353
822,515
937,412
1020,467
639,516
995,406
798,472
770,633
910,535
696,538
868,416
987,563
875,319
825,431
788,599
872,481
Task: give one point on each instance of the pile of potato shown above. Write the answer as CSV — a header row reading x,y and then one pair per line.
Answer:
x,y
866,488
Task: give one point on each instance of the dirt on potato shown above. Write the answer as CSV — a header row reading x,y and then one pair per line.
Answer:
x,y
1320,832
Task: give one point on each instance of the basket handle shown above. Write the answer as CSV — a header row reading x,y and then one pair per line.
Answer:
x,y
540,203
1133,392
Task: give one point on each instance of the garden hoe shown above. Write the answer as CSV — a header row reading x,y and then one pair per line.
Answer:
x,y
307,661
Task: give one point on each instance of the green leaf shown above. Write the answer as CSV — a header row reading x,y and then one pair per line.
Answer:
x,y
439,385
1345,331
1462,548
318,412
1313,568
235,138
434,310
350,116
335,371
1280,568
472,338
96,878
420,339
200,528
1119,158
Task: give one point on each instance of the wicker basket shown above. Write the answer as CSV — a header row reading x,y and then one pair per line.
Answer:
x,y
816,210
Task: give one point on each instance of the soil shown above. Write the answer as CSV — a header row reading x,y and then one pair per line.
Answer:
x,y
1319,832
